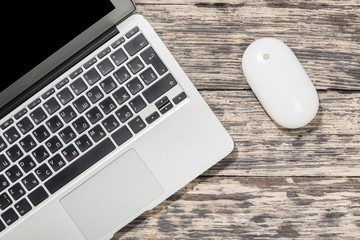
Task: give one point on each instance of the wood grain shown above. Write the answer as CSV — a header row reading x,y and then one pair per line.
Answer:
x,y
277,183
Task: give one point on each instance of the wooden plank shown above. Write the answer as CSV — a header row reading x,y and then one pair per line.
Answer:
x,y
255,208
209,38
328,146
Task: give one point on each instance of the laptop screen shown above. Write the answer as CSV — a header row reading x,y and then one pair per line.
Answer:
x,y
48,25
40,35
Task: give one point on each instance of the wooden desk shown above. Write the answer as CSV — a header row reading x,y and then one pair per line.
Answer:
x,y
277,183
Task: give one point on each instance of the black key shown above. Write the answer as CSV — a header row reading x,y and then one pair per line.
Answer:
x,y
13,173
95,94
137,104
136,44
104,52
122,135
56,162
27,164
2,226
14,153
118,43
152,118
94,115
81,104
38,196
54,124
65,96
134,86
3,144
40,154
110,124
92,76
54,144
70,153
108,85
108,105
68,114
80,165
122,75
3,183
11,135
135,65
132,32
27,143
30,181
162,102
81,125
62,83
137,124
22,207
121,96
159,88
48,93
34,104
148,76
124,114
90,63
97,133
51,106
9,216
76,73
7,124
166,108
20,114
67,135
83,143
38,115
41,133
25,125
4,163
119,57
78,86
105,67
16,191
179,98
5,201
43,172
150,57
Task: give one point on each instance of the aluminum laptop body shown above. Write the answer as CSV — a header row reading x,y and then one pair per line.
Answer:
x,y
137,133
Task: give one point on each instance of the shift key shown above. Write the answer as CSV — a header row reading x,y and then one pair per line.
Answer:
x,y
159,88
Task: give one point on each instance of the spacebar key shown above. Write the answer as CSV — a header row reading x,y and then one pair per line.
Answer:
x,y
80,165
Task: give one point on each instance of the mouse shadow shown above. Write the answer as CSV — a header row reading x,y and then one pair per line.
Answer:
x,y
180,194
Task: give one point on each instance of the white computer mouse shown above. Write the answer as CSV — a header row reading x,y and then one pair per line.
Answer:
x,y
280,83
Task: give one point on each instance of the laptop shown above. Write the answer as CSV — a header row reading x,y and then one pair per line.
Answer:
x,y
98,124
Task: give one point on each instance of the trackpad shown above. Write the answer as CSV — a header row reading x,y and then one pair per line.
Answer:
x,y
114,194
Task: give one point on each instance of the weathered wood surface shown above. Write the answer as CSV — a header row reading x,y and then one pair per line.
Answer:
x,y
277,183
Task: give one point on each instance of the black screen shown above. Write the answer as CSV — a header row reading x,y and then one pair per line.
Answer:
x,y
37,29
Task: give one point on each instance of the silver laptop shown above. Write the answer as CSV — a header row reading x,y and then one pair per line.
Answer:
x,y
98,121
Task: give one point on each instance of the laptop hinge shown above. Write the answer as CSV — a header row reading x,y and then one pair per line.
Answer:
x,y
58,71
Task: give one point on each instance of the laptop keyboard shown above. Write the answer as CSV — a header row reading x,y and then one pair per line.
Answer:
x,y
113,97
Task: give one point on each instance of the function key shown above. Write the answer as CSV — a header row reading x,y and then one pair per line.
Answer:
x,y
103,53
25,125
48,93
34,104
118,43
62,83
9,216
11,135
76,73
132,32
90,63
20,114
179,98
136,44
7,124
